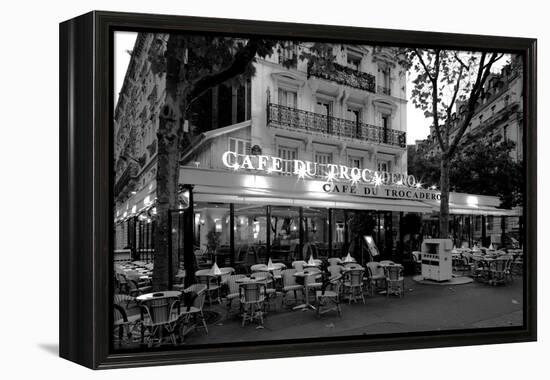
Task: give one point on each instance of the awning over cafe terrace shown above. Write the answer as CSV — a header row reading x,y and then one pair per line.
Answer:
x,y
474,209
243,188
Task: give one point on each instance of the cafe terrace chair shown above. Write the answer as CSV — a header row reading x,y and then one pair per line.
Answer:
x,y
417,262
258,268
395,282
158,316
121,282
386,262
232,290
498,271
376,275
252,296
123,323
298,265
138,288
334,261
329,300
195,312
123,300
353,266
290,284
204,276
227,271
266,279
353,284
509,266
516,266
480,269
335,271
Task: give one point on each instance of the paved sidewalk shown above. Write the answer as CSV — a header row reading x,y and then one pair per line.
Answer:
x,y
423,308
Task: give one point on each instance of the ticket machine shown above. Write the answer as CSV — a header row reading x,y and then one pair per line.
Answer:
x,y
437,262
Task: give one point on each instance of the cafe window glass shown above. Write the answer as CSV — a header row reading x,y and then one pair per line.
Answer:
x,y
250,233
285,231
316,227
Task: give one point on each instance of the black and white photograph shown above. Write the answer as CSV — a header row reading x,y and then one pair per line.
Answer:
x,y
273,190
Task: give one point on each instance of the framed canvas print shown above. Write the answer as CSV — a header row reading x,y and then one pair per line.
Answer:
x,y
236,190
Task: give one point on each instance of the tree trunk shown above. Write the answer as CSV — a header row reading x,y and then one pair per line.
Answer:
x,y
169,139
167,196
444,207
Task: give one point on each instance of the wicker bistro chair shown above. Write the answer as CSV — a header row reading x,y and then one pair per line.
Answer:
x,y
462,265
353,284
508,271
191,314
329,300
228,271
376,275
395,282
121,282
158,316
298,265
252,296
213,286
516,266
353,266
290,285
335,270
123,300
138,288
232,289
480,270
123,324
499,270
334,261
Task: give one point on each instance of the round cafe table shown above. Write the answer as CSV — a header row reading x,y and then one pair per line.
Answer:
x,y
306,305
150,296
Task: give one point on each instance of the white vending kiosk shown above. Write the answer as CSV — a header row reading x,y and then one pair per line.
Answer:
x,y
437,261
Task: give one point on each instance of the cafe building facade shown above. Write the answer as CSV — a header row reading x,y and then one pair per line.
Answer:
x,y
298,161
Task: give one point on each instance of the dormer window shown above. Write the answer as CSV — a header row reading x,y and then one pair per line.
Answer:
x,y
354,59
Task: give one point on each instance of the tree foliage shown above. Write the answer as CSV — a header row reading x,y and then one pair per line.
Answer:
x,y
193,65
483,165
447,86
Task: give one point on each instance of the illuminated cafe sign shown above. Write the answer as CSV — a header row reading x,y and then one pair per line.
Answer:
x,y
308,169
397,192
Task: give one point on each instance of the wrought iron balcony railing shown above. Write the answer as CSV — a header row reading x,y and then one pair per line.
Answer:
x,y
343,75
128,177
303,120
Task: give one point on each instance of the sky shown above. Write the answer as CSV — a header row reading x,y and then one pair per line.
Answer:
x,y
418,126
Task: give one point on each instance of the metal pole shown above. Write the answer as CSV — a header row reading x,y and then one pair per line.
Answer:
x,y
170,264
329,232
301,229
268,231
232,233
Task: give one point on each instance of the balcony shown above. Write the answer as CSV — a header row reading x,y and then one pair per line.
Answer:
x,y
343,75
127,179
293,118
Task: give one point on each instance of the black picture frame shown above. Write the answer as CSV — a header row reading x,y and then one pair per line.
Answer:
x,y
86,177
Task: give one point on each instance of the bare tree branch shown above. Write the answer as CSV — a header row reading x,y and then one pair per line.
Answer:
x,y
419,55
483,74
455,93
462,64
434,102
